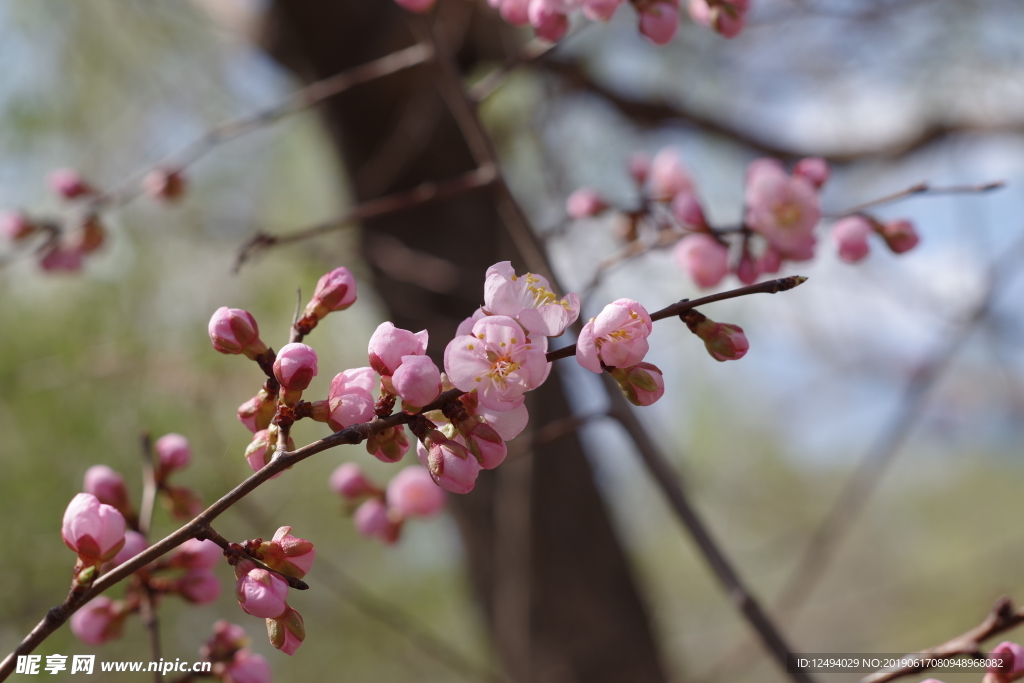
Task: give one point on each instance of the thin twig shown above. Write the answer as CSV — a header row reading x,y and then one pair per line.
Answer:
x,y
920,189
149,485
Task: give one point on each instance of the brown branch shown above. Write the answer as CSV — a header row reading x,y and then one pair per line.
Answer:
x,y
919,189
210,535
147,597
1003,617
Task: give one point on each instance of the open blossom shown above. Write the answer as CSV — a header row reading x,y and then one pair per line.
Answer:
x,y
350,482
498,361
413,493
851,236
617,337
92,529
642,384
372,520
900,235
782,208
450,464
287,631
335,291
668,175
173,453
703,257
259,592
389,343
108,487
247,667
196,554
288,554
584,203
417,381
528,298
101,620
235,331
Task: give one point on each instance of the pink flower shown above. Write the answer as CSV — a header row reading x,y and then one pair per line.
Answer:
x,y
349,409
258,411
234,331
497,361
349,481
413,493
389,343
247,667
814,169
198,586
451,466
354,380
389,445
164,184
288,554
68,183
722,340
515,12
262,447
295,366
416,6
287,631
900,235
101,620
60,259
335,291
108,487
547,21
373,521
259,592
704,259
528,298
642,384
486,445
508,423
1012,655
668,176
418,381
851,236
16,226
173,452
782,208
617,337
196,554
688,211
659,21
585,202
134,543
746,268
92,529
600,10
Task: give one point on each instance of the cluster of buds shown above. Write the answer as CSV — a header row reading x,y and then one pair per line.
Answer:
x,y
232,660
658,20
781,215
67,241
263,591
381,513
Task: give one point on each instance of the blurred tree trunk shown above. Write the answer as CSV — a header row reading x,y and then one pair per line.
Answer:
x,y
543,556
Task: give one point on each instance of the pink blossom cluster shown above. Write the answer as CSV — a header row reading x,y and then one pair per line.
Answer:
x,y
66,242
233,661
782,211
658,20
381,513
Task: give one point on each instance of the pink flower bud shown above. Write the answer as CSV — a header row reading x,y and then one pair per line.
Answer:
x,y
108,487
373,521
413,493
704,258
349,482
295,366
134,543
900,235
196,554
287,631
336,290
234,331
515,12
258,411
416,6
770,261
92,529
16,226
418,381
247,667
668,176
60,259
288,554
486,445
451,466
687,210
1012,655
659,22
617,337
746,268
722,340
584,203
164,184
173,453
389,445
851,236
261,449
101,620
198,586
814,169
354,381
639,167
259,592
226,641
549,23
642,384
349,409
389,343
68,183
600,10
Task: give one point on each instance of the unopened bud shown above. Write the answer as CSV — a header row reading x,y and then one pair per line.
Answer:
x,y
287,631
164,184
642,384
234,331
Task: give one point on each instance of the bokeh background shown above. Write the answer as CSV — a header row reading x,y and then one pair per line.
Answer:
x,y
895,92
